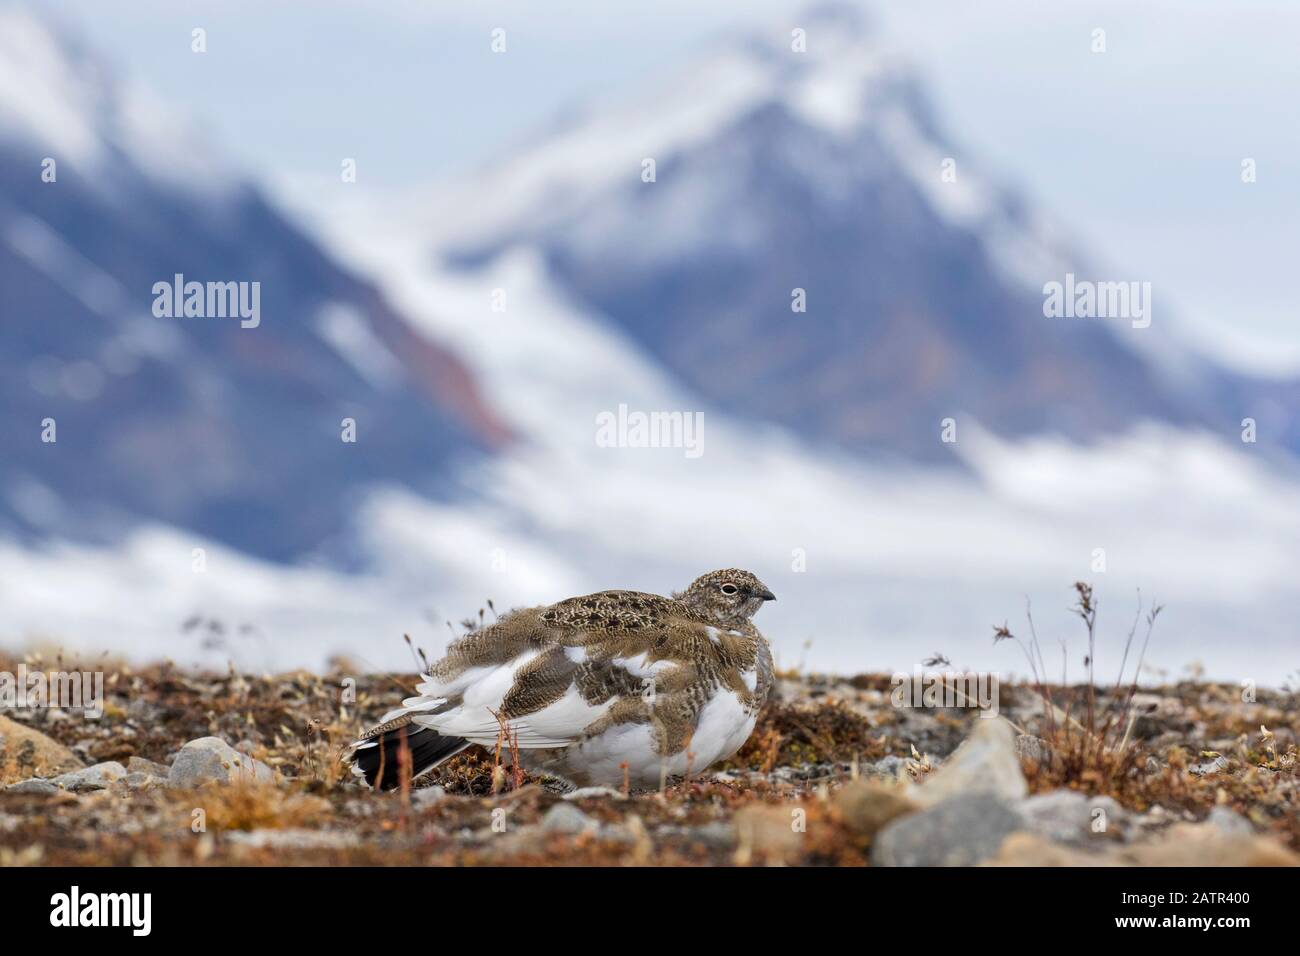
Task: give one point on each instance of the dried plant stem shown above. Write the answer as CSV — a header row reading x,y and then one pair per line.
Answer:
x,y
1097,746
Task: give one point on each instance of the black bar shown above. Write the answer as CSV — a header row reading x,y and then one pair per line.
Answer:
x,y
333,905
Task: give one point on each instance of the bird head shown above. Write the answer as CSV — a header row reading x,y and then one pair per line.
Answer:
x,y
730,596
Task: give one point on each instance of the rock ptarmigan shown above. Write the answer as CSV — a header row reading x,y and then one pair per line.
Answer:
x,y
596,690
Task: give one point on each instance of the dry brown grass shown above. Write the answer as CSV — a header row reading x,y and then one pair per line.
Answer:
x,y
1092,748
254,807
1089,742
809,733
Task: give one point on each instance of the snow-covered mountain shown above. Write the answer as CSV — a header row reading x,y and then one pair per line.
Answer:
x,y
232,432
827,171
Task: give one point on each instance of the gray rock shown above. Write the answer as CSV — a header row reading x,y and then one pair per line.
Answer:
x,y
1216,765
140,765
212,760
962,831
97,777
566,818
35,785
1230,822
1070,817
986,762
142,781
1031,748
892,767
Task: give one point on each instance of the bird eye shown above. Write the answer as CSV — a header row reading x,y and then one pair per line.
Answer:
x,y
728,589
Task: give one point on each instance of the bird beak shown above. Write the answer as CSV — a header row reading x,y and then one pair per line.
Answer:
x,y
766,595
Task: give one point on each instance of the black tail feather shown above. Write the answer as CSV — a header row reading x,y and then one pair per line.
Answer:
x,y
427,747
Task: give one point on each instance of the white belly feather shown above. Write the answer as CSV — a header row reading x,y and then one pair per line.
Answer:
x,y
723,728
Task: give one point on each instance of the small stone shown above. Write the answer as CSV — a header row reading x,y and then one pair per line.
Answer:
x,y
986,762
892,767
140,765
1216,765
961,831
866,806
1032,749
212,760
143,781
32,786
97,777
566,818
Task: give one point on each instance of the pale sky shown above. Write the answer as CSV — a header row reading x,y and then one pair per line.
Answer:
x,y
1136,151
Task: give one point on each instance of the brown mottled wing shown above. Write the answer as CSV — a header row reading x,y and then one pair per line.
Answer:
x,y
611,613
